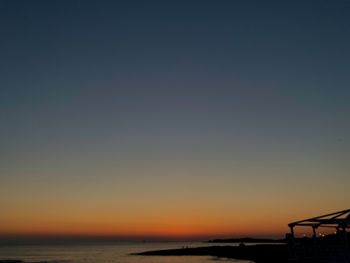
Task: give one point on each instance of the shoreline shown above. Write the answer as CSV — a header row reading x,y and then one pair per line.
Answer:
x,y
247,240
262,253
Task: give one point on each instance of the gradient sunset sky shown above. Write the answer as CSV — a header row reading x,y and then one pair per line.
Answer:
x,y
174,119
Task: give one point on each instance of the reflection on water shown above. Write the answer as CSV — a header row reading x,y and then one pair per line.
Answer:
x,y
108,253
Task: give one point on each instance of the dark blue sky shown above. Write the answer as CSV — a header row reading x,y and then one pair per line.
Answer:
x,y
253,92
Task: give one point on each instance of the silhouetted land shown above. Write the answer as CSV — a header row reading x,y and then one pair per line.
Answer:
x,y
247,240
267,253
21,261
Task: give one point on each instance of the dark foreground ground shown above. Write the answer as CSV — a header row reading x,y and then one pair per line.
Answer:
x,y
266,253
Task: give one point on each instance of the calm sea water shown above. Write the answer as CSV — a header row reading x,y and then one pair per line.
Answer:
x,y
103,253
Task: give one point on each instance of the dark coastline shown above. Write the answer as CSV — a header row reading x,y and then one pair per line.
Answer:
x,y
246,240
262,253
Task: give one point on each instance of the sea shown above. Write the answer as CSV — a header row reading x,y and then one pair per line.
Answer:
x,y
119,252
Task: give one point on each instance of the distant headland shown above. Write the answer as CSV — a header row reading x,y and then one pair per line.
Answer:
x,y
262,253
246,240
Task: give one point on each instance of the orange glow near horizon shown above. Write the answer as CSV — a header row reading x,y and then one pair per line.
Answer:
x,y
166,232
172,228
163,219
157,218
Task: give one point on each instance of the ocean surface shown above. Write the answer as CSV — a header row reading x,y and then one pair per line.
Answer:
x,y
104,253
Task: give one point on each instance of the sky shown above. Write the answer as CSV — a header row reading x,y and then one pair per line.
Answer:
x,y
172,119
